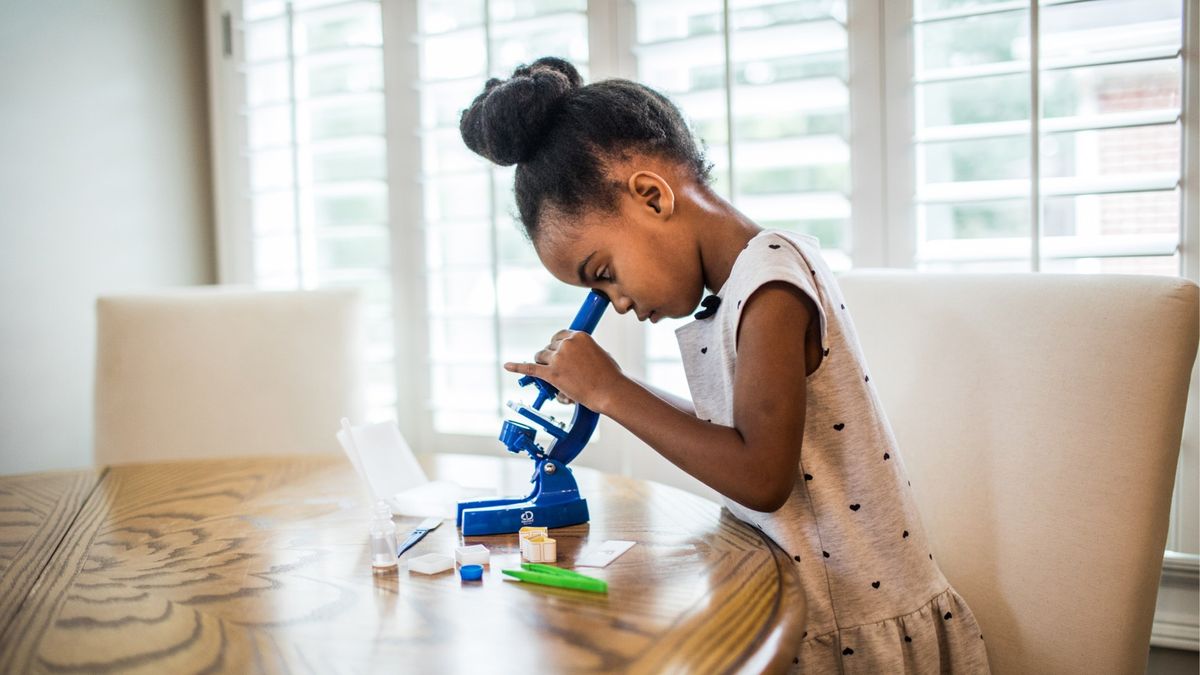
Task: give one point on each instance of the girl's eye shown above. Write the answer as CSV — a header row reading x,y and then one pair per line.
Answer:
x,y
603,275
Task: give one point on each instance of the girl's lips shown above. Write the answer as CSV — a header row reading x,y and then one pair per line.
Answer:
x,y
653,316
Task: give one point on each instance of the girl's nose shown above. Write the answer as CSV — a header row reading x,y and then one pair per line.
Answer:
x,y
622,304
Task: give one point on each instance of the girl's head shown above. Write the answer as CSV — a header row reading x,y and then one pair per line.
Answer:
x,y
603,171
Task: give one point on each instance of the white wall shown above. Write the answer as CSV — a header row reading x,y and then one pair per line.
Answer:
x,y
104,187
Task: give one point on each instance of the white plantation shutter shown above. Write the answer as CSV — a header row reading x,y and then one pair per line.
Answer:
x,y
489,299
310,146
1099,87
764,83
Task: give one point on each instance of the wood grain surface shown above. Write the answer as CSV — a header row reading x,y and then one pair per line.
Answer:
x,y
35,513
261,566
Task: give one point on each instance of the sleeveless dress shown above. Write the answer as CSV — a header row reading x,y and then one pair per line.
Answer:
x,y
877,601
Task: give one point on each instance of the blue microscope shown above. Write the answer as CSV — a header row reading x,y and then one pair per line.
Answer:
x,y
554,501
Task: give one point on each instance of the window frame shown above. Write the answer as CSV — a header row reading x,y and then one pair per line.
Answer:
x,y
231,216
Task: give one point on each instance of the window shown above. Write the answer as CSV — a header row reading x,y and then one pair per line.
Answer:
x,y
489,299
1048,135
764,83
310,122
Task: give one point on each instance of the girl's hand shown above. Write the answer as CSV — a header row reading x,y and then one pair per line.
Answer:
x,y
573,362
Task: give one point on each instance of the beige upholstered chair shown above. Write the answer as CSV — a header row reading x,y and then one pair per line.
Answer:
x,y
219,372
1039,417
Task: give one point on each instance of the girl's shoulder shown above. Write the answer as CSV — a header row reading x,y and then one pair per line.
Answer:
x,y
762,244
778,255
798,238
774,251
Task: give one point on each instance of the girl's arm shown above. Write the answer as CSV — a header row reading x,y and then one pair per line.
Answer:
x,y
678,401
755,461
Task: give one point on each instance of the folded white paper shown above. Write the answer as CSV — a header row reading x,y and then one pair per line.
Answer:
x,y
382,457
386,463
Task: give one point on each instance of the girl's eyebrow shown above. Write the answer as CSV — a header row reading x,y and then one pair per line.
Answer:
x,y
582,276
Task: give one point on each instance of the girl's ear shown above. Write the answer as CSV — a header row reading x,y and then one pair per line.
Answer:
x,y
652,191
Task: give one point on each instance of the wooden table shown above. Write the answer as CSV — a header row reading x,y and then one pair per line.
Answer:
x,y
262,565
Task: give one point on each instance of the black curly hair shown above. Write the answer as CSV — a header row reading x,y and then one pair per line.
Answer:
x,y
560,133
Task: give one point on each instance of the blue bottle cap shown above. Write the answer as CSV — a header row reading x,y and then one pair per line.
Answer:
x,y
471,572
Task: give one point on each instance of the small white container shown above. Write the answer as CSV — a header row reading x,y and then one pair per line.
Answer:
x,y
431,563
472,555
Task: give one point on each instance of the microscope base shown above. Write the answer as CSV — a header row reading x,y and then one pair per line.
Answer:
x,y
554,502
510,518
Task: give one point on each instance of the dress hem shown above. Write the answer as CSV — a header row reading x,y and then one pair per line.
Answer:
x,y
837,629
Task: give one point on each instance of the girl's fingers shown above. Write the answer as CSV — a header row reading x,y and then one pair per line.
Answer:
x,y
557,339
533,369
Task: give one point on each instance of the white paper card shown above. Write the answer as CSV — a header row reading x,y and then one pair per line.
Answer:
x,y
602,555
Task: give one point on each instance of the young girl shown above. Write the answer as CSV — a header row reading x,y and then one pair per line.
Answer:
x,y
784,421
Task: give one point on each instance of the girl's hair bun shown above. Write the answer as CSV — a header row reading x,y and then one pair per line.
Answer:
x,y
508,121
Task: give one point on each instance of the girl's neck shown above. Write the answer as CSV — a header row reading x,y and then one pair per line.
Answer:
x,y
721,232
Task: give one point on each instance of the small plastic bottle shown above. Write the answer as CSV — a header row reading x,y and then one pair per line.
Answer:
x,y
383,538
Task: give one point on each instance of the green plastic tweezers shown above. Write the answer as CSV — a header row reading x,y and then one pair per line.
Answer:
x,y
548,575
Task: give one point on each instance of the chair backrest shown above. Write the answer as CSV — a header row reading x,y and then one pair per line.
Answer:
x,y
219,372
1039,417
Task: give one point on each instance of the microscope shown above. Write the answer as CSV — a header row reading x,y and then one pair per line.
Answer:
x,y
554,500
